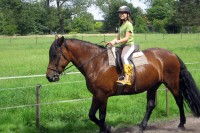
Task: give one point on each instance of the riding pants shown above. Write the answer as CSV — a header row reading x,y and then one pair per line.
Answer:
x,y
126,52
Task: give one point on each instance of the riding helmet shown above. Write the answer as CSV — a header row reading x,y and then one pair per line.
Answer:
x,y
124,9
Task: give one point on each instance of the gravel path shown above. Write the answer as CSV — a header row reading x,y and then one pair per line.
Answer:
x,y
192,126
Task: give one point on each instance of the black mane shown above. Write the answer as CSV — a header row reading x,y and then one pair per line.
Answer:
x,y
53,53
87,43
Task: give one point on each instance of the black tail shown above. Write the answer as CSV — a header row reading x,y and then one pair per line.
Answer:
x,y
189,89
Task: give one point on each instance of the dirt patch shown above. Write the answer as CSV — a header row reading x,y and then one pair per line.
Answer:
x,y
192,126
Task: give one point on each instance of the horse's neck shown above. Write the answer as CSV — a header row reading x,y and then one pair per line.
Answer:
x,y
85,58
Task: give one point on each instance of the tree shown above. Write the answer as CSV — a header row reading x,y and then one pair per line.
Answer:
x,y
8,23
98,26
9,26
141,25
160,13
187,13
26,21
68,8
83,22
20,17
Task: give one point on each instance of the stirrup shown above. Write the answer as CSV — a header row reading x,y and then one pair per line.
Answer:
x,y
121,78
124,82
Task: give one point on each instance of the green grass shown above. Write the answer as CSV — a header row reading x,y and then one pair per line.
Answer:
x,y
22,56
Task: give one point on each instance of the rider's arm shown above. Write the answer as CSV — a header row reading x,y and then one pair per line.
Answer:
x,y
113,42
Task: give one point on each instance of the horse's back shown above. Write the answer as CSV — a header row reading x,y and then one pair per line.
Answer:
x,y
165,62
160,55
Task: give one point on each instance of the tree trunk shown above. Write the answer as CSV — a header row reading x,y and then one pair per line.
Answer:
x,y
60,17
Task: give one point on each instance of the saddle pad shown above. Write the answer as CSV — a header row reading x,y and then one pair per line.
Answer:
x,y
138,58
111,57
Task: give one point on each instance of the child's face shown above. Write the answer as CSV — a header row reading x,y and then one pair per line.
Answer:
x,y
123,15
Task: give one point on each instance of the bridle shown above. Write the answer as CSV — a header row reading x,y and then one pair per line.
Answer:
x,y
56,75
60,53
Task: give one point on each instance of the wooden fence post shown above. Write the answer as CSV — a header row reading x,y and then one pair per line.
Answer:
x,y
38,86
145,36
36,41
10,40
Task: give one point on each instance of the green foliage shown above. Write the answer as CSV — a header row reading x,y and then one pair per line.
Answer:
x,y
8,22
188,12
82,23
111,16
26,24
9,26
61,16
1,23
159,14
98,26
49,20
140,25
159,25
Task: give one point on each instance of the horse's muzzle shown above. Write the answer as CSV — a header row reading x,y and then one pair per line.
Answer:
x,y
54,78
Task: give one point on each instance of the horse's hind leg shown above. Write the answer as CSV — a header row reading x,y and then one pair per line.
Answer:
x,y
151,96
173,86
179,101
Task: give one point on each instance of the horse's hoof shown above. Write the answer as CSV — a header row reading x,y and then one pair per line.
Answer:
x,y
141,129
182,128
108,129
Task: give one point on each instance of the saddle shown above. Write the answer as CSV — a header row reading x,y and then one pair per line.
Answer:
x,y
118,60
137,58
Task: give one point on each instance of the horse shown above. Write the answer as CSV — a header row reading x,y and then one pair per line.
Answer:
x,y
164,67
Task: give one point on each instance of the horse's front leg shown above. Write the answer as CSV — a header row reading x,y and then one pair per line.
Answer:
x,y
102,116
94,107
101,104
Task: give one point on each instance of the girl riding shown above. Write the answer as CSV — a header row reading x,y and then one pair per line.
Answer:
x,y
125,37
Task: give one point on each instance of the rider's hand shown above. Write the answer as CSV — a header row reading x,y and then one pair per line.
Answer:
x,y
111,43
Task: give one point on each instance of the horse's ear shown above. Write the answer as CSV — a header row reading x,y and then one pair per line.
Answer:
x,y
62,39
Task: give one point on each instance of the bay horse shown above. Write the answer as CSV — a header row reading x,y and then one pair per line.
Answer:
x,y
92,61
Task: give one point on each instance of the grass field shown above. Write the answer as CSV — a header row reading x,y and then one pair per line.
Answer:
x,y
22,56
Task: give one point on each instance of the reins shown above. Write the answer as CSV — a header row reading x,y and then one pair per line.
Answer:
x,y
63,73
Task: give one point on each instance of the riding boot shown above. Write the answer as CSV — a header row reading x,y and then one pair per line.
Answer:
x,y
128,71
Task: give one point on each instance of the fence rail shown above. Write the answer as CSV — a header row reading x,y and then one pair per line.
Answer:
x,y
32,76
42,75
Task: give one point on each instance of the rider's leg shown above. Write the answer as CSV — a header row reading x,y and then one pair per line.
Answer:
x,y
127,67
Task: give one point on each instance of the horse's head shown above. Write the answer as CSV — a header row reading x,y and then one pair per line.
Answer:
x,y
58,59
